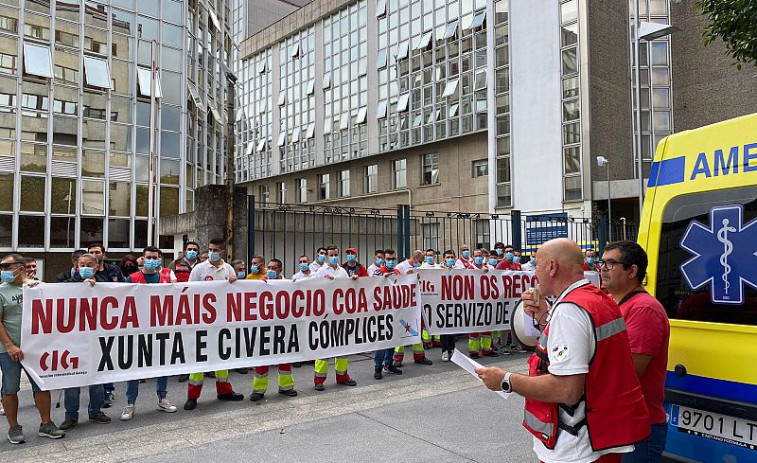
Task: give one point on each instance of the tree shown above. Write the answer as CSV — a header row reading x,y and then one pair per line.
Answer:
x,y
735,21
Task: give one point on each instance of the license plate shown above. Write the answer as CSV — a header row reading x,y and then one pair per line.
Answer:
x,y
722,428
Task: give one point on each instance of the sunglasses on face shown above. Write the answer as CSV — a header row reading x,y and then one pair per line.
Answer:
x,y
8,265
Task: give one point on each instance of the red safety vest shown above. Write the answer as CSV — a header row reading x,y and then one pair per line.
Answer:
x,y
616,414
139,277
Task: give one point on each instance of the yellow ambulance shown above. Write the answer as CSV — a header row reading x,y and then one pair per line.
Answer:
x,y
699,227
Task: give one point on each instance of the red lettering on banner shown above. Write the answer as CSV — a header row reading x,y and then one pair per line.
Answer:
x,y
209,317
351,301
105,323
42,315
458,287
318,303
130,311
298,309
88,315
265,305
161,314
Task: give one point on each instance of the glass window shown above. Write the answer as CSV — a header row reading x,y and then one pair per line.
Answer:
x,y
402,103
31,231
370,185
661,121
569,35
661,97
685,299
323,186
659,53
171,34
381,8
169,201
570,87
572,160
570,110
170,117
170,144
118,233
169,172
33,194
480,168
478,20
92,230
144,78
302,190
361,115
571,133
96,72
38,60
660,76
451,88
172,11
430,169
6,192
281,193
569,11
573,188
569,62
381,110
344,183
119,199
431,235
399,174
93,197
6,230
381,59
62,232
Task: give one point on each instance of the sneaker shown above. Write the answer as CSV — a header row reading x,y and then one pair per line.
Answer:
x,y
393,369
231,397
256,397
50,430
288,392
108,400
504,351
183,378
491,353
190,404
320,387
16,435
243,371
518,350
99,418
128,413
377,373
474,355
445,356
165,406
210,374
424,361
2,410
398,364
348,382
67,424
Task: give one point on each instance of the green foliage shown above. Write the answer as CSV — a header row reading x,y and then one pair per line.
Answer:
x,y
735,21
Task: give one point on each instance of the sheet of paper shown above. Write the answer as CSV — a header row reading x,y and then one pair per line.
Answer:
x,y
528,326
470,365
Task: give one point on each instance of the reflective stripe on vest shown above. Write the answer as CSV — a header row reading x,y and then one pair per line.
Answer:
x,y
610,329
537,425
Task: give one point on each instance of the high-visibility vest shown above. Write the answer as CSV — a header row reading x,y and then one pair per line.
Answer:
x,y
164,275
616,414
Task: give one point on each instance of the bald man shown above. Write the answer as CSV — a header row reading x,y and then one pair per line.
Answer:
x,y
583,362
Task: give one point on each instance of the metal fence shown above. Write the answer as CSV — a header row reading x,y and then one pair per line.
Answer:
x,y
286,232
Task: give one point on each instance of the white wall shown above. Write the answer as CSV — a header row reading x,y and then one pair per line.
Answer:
x,y
535,100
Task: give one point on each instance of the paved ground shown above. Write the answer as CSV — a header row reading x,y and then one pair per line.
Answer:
x,y
431,413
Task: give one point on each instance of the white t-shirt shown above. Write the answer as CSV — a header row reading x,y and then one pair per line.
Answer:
x,y
302,276
570,347
527,267
431,266
205,271
404,267
327,270
373,270
463,262
315,265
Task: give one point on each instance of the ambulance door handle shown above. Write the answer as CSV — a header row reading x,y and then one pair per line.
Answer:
x,y
680,370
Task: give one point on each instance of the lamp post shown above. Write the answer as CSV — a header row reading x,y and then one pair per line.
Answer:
x,y
646,31
604,162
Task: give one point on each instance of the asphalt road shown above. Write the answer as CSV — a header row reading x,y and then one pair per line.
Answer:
x,y
431,413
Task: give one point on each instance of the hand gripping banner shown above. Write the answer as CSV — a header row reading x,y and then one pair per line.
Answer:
x,y
77,335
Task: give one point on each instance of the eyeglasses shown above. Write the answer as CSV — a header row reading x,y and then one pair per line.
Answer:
x,y
7,265
609,264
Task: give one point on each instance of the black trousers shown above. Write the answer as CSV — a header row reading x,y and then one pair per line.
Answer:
x,y
448,342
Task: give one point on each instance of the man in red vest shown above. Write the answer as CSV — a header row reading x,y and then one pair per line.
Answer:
x,y
584,402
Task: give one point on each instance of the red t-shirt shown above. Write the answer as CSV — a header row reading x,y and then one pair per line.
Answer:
x,y
505,265
648,333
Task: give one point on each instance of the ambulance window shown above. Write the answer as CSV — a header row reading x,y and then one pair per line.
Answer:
x,y
718,285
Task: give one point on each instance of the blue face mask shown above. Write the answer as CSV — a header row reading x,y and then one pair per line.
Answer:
x,y
304,267
350,257
254,268
390,264
151,264
449,262
84,272
466,254
590,260
379,262
499,251
214,256
241,275
191,255
493,262
516,259
321,258
272,275
429,260
478,260
533,261
334,260
417,264
509,256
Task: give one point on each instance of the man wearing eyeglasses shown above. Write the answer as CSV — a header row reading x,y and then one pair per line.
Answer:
x,y
14,276
622,269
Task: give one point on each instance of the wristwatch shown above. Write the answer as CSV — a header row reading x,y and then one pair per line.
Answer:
x,y
506,386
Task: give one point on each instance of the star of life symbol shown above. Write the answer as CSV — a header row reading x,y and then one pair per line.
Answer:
x,y
725,254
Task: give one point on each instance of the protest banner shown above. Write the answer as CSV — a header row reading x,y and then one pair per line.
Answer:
x,y
77,335
473,301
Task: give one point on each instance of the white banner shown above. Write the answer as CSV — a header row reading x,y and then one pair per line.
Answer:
x,y
77,335
473,301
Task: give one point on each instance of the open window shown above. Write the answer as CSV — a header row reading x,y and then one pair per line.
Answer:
x,y
96,72
143,81
38,61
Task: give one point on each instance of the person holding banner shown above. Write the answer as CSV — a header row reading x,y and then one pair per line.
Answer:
x,y
212,269
448,340
465,258
584,402
85,269
304,266
378,261
480,343
414,261
260,380
419,351
257,267
492,260
429,262
319,260
183,266
383,358
152,272
331,270
352,266
14,276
